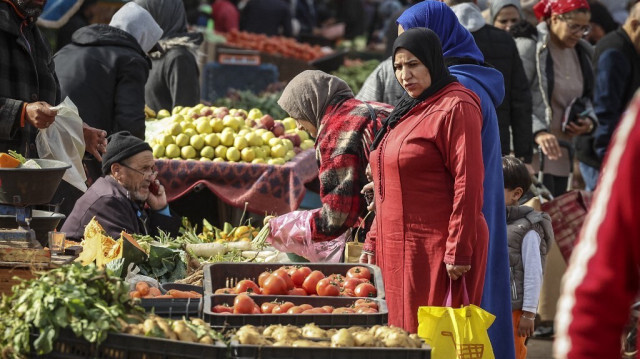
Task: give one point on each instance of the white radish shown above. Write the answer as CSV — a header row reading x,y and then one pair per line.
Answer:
x,y
207,249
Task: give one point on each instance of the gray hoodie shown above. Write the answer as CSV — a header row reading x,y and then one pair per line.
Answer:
x,y
497,5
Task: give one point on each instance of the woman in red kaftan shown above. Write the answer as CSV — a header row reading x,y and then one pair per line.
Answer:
x,y
428,173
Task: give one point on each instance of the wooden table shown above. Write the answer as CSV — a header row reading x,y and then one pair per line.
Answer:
x,y
17,264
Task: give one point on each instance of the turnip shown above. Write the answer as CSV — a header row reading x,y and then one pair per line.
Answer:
x,y
206,249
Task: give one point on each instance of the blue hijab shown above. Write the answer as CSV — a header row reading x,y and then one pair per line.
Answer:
x,y
488,83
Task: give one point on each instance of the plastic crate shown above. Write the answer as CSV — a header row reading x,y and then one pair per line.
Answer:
x,y
223,275
253,351
125,346
174,308
217,320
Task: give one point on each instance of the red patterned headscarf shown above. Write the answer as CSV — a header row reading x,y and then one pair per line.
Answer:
x,y
545,8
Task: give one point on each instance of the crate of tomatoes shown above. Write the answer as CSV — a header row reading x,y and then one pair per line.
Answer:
x,y
321,279
226,311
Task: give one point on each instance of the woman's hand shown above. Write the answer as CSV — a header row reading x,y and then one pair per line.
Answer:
x,y
367,258
456,271
368,193
549,145
583,126
527,320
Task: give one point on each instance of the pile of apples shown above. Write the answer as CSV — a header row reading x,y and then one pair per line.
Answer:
x,y
217,134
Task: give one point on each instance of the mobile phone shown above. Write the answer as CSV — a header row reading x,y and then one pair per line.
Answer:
x,y
154,187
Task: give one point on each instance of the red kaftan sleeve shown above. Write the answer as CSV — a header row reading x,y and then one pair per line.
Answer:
x,y
370,240
602,279
461,146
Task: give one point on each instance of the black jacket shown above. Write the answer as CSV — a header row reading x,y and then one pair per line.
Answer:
x,y
109,202
269,17
26,75
514,114
104,72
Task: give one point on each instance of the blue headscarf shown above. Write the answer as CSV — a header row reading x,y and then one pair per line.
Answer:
x,y
456,40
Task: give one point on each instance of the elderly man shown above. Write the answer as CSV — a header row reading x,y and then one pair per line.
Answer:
x,y
122,200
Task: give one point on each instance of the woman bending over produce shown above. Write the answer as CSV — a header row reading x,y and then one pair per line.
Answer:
x,y
428,173
343,127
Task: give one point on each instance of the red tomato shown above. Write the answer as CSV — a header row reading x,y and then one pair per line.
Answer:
x,y
366,303
247,286
359,272
336,278
343,310
327,308
297,291
311,281
346,292
295,310
365,310
274,285
282,273
262,277
222,308
256,309
298,275
243,304
326,287
225,291
282,308
365,290
352,283
318,310
305,306
267,307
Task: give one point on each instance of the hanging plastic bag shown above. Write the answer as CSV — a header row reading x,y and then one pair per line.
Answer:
x,y
64,141
459,333
133,277
291,232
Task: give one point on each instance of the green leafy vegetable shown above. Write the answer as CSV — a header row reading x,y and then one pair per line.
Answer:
x,y
17,156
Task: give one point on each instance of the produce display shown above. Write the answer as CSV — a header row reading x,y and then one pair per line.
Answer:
x,y
144,290
244,304
355,72
301,280
312,336
99,248
194,330
210,133
275,45
14,160
267,101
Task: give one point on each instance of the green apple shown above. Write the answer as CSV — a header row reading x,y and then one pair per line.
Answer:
x,y
260,131
231,122
182,140
176,110
188,152
218,159
275,141
289,123
216,125
243,131
304,135
240,143
254,114
278,151
184,111
172,151
177,118
190,132
207,152
276,161
205,159
267,151
187,124
198,107
253,139
174,129
227,138
306,144
287,143
163,114
289,155
158,151
203,126
212,140
233,155
221,151
258,160
196,141
248,154
266,136
165,140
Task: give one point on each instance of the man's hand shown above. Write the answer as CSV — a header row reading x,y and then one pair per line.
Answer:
x,y
367,258
40,114
527,320
367,191
456,271
159,201
582,126
549,145
95,141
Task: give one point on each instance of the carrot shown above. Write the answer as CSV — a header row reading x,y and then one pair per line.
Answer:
x,y
134,294
154,292
163,296
182,294
8,161
142,287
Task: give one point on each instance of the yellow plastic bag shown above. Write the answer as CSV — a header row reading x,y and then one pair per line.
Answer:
x,y
456,333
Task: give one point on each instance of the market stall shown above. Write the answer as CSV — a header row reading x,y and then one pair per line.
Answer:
x,y
266,188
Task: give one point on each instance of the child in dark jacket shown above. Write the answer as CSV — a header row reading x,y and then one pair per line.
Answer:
x,y
529,236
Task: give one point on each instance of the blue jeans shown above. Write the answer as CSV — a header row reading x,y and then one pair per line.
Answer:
x,y
590,176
